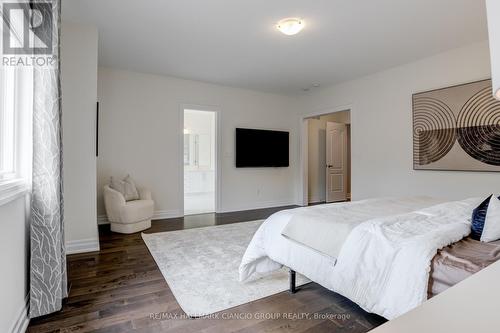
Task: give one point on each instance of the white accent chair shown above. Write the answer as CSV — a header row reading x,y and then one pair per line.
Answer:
x,y
127,217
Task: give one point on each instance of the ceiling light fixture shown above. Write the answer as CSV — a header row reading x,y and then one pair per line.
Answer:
x,y
290,26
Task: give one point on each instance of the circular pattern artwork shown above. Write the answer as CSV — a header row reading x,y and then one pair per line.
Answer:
x,y
478,127
457,128
433,130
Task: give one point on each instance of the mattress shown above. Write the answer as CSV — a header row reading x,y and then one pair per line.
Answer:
x,y
458,261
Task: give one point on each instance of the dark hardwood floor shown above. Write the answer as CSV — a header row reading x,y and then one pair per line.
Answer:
x,y
120,289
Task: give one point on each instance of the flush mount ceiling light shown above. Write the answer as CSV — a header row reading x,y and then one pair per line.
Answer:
x,y
290,26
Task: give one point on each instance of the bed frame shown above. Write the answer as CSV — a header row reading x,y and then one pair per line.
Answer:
x,y
293,286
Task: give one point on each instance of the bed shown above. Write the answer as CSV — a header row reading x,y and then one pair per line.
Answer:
x,y
388,255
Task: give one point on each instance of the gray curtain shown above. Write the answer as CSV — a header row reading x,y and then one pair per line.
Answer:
x,y
48,282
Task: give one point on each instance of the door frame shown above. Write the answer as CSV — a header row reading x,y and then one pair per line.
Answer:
x,y
304,149
218,141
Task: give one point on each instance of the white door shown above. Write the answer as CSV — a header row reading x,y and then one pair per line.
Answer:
x,y
336,162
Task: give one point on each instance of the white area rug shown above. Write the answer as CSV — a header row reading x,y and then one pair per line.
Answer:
x,y
201,267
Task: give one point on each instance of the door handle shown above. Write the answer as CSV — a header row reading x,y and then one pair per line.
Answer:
x,y
329,166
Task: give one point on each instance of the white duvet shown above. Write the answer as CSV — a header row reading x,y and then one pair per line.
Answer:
x,y
326,227
308,254
269,251
383,264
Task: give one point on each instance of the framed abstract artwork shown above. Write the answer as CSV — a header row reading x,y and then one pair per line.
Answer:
x,y
457,128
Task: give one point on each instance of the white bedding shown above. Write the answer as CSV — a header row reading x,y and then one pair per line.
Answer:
x,y
326,227
385,263
269,250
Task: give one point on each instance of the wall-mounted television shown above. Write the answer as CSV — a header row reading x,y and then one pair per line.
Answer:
x,y
257,148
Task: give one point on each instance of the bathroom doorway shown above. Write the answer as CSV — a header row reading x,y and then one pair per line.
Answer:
x,y
199,161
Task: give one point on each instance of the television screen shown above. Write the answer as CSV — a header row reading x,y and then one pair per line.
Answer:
x,y
261,148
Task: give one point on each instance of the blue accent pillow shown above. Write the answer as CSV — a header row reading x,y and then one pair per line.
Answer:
x,y
478,218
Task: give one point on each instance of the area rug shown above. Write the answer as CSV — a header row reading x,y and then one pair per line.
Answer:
x,y
201,267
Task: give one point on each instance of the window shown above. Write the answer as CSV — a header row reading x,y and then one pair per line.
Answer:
x,y
16,105
8,123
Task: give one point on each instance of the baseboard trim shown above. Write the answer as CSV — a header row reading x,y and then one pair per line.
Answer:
x,y
102,219
316,199
167,214
22,319
170,214
259,205
82,246
316,202
158,215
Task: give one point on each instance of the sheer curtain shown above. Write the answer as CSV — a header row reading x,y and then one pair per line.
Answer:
x,y
48,280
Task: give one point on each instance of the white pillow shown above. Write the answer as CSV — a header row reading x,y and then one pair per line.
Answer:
x,y
126,187
491,231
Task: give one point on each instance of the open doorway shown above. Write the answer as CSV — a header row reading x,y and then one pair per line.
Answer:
x,y
199,161
329,158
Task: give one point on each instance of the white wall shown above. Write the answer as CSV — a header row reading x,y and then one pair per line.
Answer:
x,y
79,97
14,238
317,154
381,120
141,133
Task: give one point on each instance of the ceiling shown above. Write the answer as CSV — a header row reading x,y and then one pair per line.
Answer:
x,y
235,42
